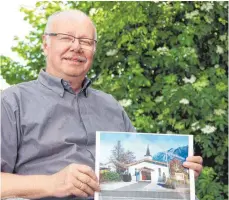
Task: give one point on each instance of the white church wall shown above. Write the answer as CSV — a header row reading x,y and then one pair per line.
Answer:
x,y
154,174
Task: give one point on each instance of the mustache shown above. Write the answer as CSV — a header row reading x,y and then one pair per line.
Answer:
x,y
81,59
78,58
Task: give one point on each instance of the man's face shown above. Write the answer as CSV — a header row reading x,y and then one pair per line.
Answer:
x,y
63,58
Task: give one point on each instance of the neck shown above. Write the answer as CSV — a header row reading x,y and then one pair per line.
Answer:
x,y
75,82
76,86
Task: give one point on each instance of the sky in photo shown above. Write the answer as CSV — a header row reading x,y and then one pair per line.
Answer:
x,y
138,143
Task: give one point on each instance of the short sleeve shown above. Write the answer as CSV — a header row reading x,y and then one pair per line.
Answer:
x,y
10,136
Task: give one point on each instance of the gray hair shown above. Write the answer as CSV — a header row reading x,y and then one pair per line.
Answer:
x,y
54,15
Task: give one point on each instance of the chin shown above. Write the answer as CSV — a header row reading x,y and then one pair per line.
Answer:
x,y
74,73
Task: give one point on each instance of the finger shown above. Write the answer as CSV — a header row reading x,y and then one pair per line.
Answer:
x,y
194,166
195,159
87,170
79,193
196,174
82,187
84,178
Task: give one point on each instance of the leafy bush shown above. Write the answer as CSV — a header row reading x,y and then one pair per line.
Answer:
x,y
209,186
111,176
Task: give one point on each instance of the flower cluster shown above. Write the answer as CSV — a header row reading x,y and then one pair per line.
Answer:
x,y
125,102
112,52
162,50
219,49
192,14
159,99
184,101
195,126
207,6
219,112
189,80
208,129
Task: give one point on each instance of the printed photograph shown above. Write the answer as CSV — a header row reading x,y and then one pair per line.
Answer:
x,y
143,166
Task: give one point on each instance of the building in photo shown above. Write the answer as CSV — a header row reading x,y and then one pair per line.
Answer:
x,y
148,169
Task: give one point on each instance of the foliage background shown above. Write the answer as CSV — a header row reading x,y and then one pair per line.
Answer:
x,y
167,64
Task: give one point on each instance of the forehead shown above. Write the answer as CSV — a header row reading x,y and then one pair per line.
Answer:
x,y
77,25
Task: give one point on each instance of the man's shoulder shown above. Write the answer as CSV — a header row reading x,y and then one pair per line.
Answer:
x,y
15,91
101,95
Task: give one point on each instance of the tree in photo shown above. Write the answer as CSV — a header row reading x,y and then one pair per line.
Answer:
x,y
120,157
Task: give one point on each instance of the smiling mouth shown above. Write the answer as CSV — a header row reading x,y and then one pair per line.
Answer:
x,y
80,59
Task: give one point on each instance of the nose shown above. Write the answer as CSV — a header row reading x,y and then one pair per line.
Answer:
x,y
75,45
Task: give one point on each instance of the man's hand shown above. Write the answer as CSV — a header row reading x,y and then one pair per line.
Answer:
x,y
75,179
194,163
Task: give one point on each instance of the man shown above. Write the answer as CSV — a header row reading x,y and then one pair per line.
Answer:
x,y
48,125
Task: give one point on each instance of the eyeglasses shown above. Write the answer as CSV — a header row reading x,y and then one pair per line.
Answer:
x,y
85,43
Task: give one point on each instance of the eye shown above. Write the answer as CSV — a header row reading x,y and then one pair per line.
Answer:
x,y
65,38
86,42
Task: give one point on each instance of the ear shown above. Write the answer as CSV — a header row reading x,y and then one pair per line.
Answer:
x,y
45,45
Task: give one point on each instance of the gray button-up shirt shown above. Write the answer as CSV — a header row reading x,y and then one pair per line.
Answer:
x,y
46,126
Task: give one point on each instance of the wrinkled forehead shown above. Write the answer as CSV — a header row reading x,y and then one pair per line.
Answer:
x,y
78,25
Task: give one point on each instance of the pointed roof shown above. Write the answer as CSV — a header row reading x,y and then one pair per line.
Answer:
x,y
147,151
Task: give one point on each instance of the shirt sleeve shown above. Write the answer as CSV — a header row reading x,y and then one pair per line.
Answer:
x,y
128,125
10,136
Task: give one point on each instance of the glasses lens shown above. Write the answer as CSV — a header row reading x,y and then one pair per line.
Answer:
x,y
65,38
87,43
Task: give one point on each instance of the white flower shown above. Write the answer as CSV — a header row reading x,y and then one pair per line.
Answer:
x,y
92,11
219,50
192,14
125,102
216,66
191,80
112,52
222,37
207,6
162,50
195,126
161,122
219,112
184,101
159,99
208,129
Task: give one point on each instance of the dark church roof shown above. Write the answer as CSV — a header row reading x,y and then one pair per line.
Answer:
x,y
147,151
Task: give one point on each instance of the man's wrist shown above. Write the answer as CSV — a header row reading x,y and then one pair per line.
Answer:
x,y
35,186
25,186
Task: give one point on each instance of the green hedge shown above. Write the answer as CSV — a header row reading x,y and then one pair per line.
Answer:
x,y
111,176
166,62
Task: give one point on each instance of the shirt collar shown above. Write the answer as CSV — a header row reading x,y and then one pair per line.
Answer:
x,y
59,85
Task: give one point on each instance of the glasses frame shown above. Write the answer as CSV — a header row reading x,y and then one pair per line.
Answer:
x,y
56,34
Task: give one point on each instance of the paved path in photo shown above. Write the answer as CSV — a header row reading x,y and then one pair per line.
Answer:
x,y
143,191
140,195
134,187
